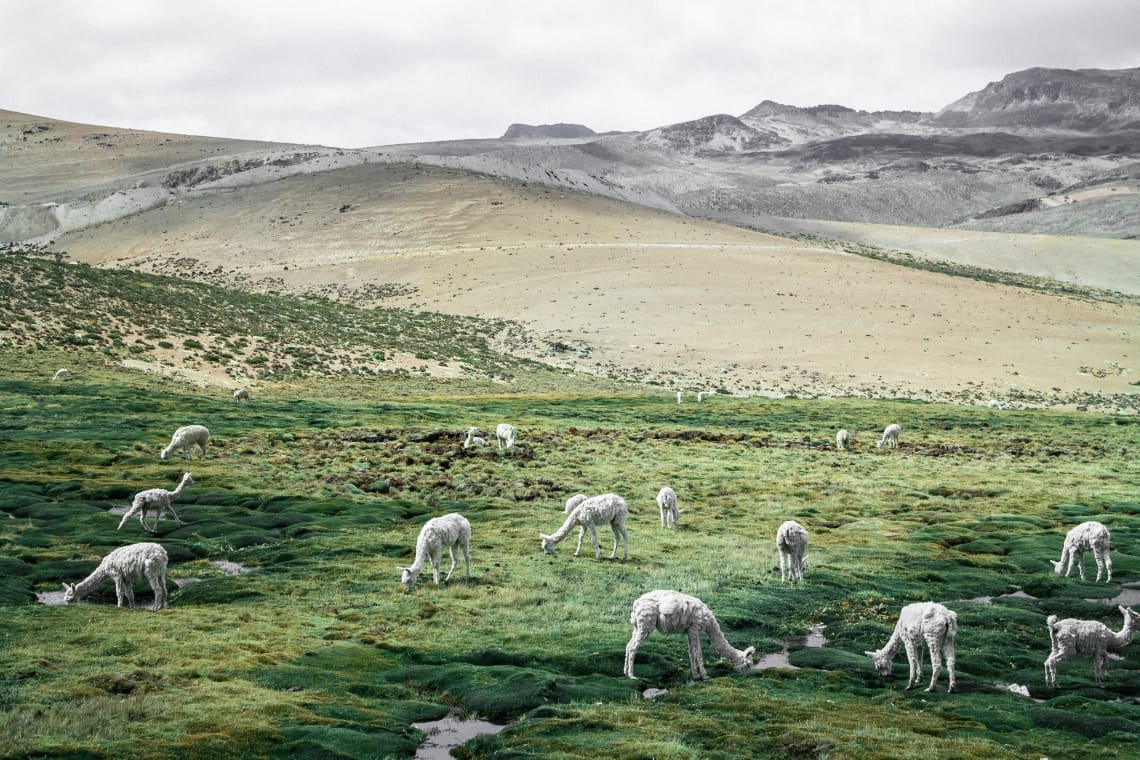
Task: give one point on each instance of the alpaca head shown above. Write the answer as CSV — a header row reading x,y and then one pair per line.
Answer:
x,y
68,593
882,662
746,661
408,577
549,545
187,480
162,454
1058,566
1131,617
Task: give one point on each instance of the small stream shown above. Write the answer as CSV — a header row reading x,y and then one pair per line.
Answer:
x,y
450,731
814,639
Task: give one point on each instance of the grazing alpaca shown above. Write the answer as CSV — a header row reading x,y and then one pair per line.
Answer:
x,y
157,499
890,437
842,440
994,404
674,612
1088,535
700,397
61,374
450,530
186,438
1068,637
791,545
123,566
473,440
679,395
667,505
241,394
924,621
505,435
600,510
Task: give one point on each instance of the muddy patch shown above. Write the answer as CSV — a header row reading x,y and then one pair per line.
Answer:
x,y
50,598
450,731
815,639
1019,594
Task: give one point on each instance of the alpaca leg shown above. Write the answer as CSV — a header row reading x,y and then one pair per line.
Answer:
x,y
467,558
625,541
948,653
783,564
436,557
177,519
158,586
1108,565
450,551
913,658
935,661
1098,667
1081,564
640,633
617,534
696,658
581,535
597,545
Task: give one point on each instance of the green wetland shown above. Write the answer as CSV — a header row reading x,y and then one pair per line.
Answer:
x,y
317,488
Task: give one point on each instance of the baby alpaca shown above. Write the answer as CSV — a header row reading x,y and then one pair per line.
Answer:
x,y
186,438
1069,636
600,510
450,530
674,612
123,566
505,435
473,440
791,545
157,499
1088,535
924,621
667,505
241,394
890,437
61,374
842,440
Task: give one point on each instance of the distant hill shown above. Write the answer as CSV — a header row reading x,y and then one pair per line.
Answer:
x,y
552,131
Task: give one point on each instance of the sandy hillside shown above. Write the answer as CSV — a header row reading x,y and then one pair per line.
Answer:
x,y
620,289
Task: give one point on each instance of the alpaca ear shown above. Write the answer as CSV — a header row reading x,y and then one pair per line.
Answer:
x,y
1056,564
870,654
749,652
402,569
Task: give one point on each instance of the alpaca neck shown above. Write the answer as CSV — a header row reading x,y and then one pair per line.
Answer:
x,y
567,526
892,646
178,490
88,584
1123,637
719,642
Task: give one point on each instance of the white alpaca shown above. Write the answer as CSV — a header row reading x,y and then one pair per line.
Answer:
x,y
924,621
241,394
473,440
123,566
791,545
994,404
505,435
1088,535
449,530
608,509
842,440
700,397
667,506
1068,637
157,499
890,437
61,374
186,438
679,395
674,612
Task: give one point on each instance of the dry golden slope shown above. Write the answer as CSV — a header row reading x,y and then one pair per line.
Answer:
x,y
650,295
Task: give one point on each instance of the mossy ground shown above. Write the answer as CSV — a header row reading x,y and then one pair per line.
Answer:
x,y
320,489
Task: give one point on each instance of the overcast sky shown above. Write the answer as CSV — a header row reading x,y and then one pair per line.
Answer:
x,y
356,73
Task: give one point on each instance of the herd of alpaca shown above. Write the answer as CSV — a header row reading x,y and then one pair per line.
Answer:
x,y
924,624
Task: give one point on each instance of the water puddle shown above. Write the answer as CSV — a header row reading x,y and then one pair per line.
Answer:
x,y
1019,594
450,731
1129,595
50,598
814,640
1016,688
231,568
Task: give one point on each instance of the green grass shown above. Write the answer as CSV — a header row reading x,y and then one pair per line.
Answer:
x,y
320,485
